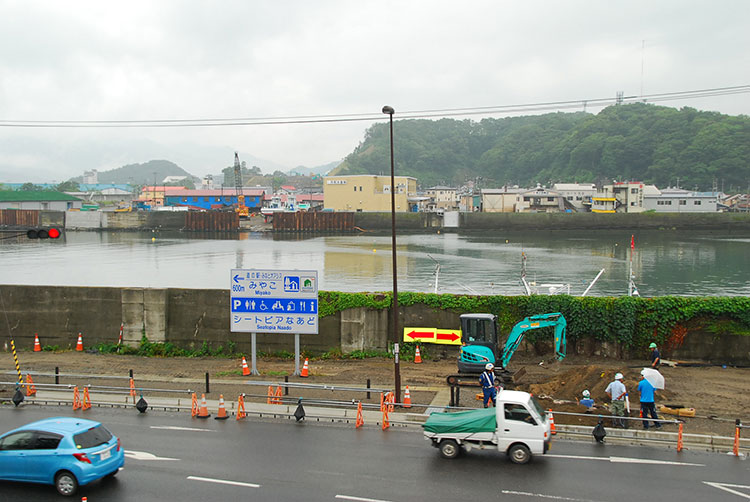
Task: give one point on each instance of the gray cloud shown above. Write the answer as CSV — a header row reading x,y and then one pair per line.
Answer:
x,y
90,60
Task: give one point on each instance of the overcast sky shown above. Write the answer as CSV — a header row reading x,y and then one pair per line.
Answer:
x,y
158,60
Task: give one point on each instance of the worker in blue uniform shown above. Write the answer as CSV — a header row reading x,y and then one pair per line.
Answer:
x,y
487,381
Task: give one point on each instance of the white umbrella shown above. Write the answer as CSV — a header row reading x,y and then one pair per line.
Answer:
x,y
654,377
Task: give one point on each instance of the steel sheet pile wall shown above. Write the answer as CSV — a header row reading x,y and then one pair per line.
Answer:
x,y
212,221
19,217
313,222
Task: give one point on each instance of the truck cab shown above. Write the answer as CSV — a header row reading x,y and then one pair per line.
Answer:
x,y
517,426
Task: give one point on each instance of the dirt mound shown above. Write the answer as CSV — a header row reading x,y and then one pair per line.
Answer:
x,y
569,385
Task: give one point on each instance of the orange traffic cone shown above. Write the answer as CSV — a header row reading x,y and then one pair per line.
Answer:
x,y
360,421
241,407
79,345
37,345
203,410
277,396
222,415
76,398
270,398
552,429
305,370
417,356
407,398
245,368
132,390
194,406
30,388
86,403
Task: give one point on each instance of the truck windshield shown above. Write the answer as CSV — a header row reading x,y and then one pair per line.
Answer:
x,y
537,407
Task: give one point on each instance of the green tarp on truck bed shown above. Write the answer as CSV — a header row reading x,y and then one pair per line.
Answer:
x,y
481,420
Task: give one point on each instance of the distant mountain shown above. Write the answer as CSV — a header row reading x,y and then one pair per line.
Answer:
x,y
307,171
639,142
148,173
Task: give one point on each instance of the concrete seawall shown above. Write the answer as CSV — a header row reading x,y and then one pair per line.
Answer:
x,y
417,222
189,318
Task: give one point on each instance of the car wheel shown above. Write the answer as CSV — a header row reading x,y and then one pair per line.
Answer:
x,y
66,483
519,454
449,448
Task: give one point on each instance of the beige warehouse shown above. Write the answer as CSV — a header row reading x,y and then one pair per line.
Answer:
x,y
367,192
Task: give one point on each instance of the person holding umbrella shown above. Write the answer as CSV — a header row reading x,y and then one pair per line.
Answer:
x,y
650,381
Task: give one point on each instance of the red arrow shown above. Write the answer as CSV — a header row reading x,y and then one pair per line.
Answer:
x,y
421,334
448,336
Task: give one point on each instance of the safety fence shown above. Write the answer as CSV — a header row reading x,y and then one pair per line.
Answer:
x,y
348,411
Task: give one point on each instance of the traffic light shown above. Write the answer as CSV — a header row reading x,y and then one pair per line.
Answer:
x,y
44,233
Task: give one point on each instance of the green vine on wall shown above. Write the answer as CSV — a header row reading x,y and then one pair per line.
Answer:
x,y
632,321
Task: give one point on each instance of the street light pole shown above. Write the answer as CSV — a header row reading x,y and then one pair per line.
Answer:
x,y
388,110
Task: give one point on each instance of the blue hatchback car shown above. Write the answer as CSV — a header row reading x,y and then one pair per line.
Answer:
x,y
62,451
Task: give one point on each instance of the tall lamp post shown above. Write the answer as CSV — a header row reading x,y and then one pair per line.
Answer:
x,y
388,110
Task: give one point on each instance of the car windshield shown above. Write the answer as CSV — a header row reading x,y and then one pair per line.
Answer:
x,y
537,407
92,437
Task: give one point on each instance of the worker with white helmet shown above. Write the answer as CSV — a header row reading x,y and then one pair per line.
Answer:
x,y
487,381
587,401
616,391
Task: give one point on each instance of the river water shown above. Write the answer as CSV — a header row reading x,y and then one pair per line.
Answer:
x,y
663,262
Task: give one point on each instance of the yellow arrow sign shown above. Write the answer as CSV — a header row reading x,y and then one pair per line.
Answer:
x,y
423,335
448,336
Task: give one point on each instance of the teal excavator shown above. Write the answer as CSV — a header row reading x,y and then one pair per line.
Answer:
x,y
479,338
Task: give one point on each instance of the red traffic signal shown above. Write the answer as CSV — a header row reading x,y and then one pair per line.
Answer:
x,y
44,233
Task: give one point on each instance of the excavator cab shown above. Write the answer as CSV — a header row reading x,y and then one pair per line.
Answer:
x,y
478,342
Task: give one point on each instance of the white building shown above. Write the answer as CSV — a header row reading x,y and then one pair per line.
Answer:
x,y
622,197
443,197
577,194
677,200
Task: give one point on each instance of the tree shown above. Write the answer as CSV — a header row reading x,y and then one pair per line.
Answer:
x,y
28,187
68,186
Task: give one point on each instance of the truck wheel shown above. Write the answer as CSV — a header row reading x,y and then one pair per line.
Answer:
x,y
449,448
519,454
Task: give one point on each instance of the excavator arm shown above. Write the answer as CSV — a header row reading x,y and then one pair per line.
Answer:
x,y
518,332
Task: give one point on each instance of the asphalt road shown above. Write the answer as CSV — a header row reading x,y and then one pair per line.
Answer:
x,y
172,457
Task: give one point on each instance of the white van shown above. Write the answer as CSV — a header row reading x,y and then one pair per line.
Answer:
x,y
518,426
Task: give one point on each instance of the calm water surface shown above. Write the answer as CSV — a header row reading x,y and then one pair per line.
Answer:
x,y
664,262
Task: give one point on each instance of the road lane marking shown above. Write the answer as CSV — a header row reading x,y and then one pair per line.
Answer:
x,y
543,496
223,482
359,499
728,488
175,428
627,460
144,455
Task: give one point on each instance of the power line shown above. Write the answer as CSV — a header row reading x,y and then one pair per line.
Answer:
x,y
371,117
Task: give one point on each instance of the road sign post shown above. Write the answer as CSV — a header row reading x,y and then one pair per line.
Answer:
x,y
274,301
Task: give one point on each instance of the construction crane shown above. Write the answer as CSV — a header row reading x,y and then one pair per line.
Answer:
x,y
241,209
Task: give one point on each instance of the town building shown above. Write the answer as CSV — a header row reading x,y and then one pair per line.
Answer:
x,y
500,200
367,192
621,197
39,200
577,194
443,198
206,200
540,200
677,200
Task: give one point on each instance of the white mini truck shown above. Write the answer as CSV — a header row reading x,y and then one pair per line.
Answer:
x,y
518,426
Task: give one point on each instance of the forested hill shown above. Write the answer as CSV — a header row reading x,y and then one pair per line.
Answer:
x,y
642,142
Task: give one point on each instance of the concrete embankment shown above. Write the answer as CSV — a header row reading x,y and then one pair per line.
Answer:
x,y
405,222
189,318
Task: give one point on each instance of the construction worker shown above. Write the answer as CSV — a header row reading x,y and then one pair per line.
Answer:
x,y
647,392
616,391
655,356
587,401
487,381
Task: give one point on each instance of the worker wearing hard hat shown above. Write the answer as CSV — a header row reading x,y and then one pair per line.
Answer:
x,y
616,391
487,381
655,356
587,401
